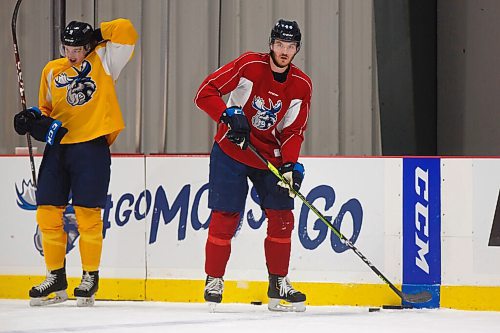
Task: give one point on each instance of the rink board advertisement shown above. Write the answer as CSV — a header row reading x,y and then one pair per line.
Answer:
x,y
156,220
422,227
179,220
123,224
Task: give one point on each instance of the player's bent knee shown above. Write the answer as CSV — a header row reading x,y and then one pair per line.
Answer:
x,y
280,223
223,224
49,217
89,219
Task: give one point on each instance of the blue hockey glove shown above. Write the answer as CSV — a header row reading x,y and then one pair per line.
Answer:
x,y
294,174
239,129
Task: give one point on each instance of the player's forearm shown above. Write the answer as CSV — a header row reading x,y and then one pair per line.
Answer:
x,y
213,105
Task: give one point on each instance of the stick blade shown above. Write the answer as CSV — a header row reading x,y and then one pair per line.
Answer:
x,y
421,297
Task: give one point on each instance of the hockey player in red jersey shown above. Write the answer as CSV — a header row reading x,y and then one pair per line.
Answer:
x,y
268,105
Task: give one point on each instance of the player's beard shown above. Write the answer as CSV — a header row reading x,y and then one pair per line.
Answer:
x,y
276,63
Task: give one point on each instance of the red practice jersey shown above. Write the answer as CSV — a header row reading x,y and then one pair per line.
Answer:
x,y
277,112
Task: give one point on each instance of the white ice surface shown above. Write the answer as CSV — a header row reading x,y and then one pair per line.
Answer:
x,y
145,317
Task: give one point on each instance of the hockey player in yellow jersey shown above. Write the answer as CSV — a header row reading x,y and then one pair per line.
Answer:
x,y
78,116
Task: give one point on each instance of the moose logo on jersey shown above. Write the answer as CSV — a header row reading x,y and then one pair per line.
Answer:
x,y
265,117
80,87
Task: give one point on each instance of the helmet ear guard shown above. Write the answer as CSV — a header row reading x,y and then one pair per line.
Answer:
x,y
287,31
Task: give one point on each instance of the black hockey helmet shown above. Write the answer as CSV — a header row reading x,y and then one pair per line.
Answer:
x,y
286,30
77,34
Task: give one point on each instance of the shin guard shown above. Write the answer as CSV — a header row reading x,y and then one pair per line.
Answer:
x,y
277,244
218,247
54,238
90,228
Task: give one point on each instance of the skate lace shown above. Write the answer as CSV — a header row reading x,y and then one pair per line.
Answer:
x,y
285,286
87,282
47,283
215,285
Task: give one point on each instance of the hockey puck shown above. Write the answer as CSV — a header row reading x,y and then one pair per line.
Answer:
x,y
256,303
373,309
392,307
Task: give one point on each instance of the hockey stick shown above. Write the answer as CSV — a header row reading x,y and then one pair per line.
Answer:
x,y
420,297
21,87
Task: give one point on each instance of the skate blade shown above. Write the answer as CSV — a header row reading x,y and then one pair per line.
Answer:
x,y
280,305
212,306
60,296
85,301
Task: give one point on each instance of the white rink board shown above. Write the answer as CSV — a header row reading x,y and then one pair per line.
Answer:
x,y
470,190
469,193
167,256
18,255
363,180
123,248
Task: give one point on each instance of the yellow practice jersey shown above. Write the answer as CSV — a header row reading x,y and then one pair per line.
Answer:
x,y
83,97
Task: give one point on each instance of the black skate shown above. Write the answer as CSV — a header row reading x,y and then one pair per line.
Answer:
x,y
282,296
55,282
85,292
213,291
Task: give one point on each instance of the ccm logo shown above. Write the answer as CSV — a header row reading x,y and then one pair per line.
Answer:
x,y
422,218
52,132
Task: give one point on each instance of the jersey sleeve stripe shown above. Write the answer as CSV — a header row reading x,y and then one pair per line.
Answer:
x,y
239,70
114,57
241,94
301,131
48,95
291,114
208,82
218,76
